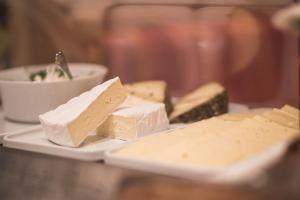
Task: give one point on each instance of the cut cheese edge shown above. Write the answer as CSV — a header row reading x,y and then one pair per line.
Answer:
x,y
129,123
70,123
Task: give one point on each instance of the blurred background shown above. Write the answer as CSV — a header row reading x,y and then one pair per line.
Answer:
x,y
187,43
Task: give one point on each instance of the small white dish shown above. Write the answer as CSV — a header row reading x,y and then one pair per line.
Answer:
x,y
24,100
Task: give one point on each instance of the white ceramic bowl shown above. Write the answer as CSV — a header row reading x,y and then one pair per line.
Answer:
x,y
23,100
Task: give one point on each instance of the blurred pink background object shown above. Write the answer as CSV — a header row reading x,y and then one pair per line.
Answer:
x,y
238,47
185,43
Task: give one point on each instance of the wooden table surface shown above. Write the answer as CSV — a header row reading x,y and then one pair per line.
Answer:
x,y
26,175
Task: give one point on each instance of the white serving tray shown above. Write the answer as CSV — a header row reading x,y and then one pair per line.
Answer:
x,y
9,127
33,139
243,171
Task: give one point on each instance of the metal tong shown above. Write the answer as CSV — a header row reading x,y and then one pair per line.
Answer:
x,y
61,61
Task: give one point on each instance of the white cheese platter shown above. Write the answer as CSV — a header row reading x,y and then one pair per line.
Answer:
x,y
199,136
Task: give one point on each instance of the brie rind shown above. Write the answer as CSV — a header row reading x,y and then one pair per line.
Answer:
x,y
70,123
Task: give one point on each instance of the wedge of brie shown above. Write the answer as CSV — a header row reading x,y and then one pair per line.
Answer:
x,y
70,123
135,121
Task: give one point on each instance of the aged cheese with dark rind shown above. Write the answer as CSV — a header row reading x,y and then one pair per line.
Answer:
x,y
216,103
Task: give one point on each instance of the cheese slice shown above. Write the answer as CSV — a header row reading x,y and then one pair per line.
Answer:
x,y
70,123
282,118
136,121
211,143
276,115
290,110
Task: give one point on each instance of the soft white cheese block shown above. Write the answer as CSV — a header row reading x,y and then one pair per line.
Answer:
x,y
135,121
70,123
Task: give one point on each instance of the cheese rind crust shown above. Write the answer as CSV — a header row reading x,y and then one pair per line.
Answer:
x,y
70,123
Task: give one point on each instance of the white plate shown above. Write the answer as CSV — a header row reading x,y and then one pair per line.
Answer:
x,y
243,171
9,127
34,139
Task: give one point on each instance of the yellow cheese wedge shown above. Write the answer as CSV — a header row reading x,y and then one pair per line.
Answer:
x,y
153,91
